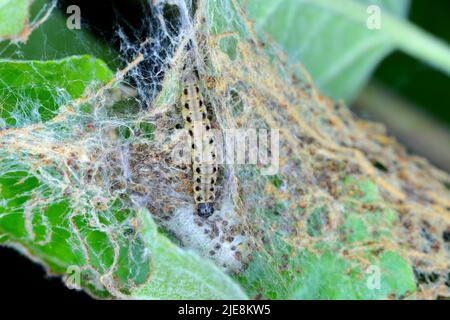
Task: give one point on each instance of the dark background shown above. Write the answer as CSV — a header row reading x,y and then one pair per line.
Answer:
x,y
421,84
21,278
424,86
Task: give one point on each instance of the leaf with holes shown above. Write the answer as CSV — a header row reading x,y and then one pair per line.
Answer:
x,y
33,91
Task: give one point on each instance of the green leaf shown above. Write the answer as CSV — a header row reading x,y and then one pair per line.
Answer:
x,y
330,272
178,273
53,40
330,277
45,208
36,216
332,40
339,51
13,17
33,91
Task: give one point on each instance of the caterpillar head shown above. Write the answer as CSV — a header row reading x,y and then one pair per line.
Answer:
x,y
189,78
205,210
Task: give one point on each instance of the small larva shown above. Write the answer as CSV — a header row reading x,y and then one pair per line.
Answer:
x,y
203,152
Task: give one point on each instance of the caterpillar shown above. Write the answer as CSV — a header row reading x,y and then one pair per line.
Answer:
x,y
203,150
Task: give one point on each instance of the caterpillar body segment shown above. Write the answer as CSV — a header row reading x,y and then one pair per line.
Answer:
x,y
203,151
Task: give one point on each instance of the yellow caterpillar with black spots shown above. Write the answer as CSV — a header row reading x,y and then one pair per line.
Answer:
x,y
203,150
